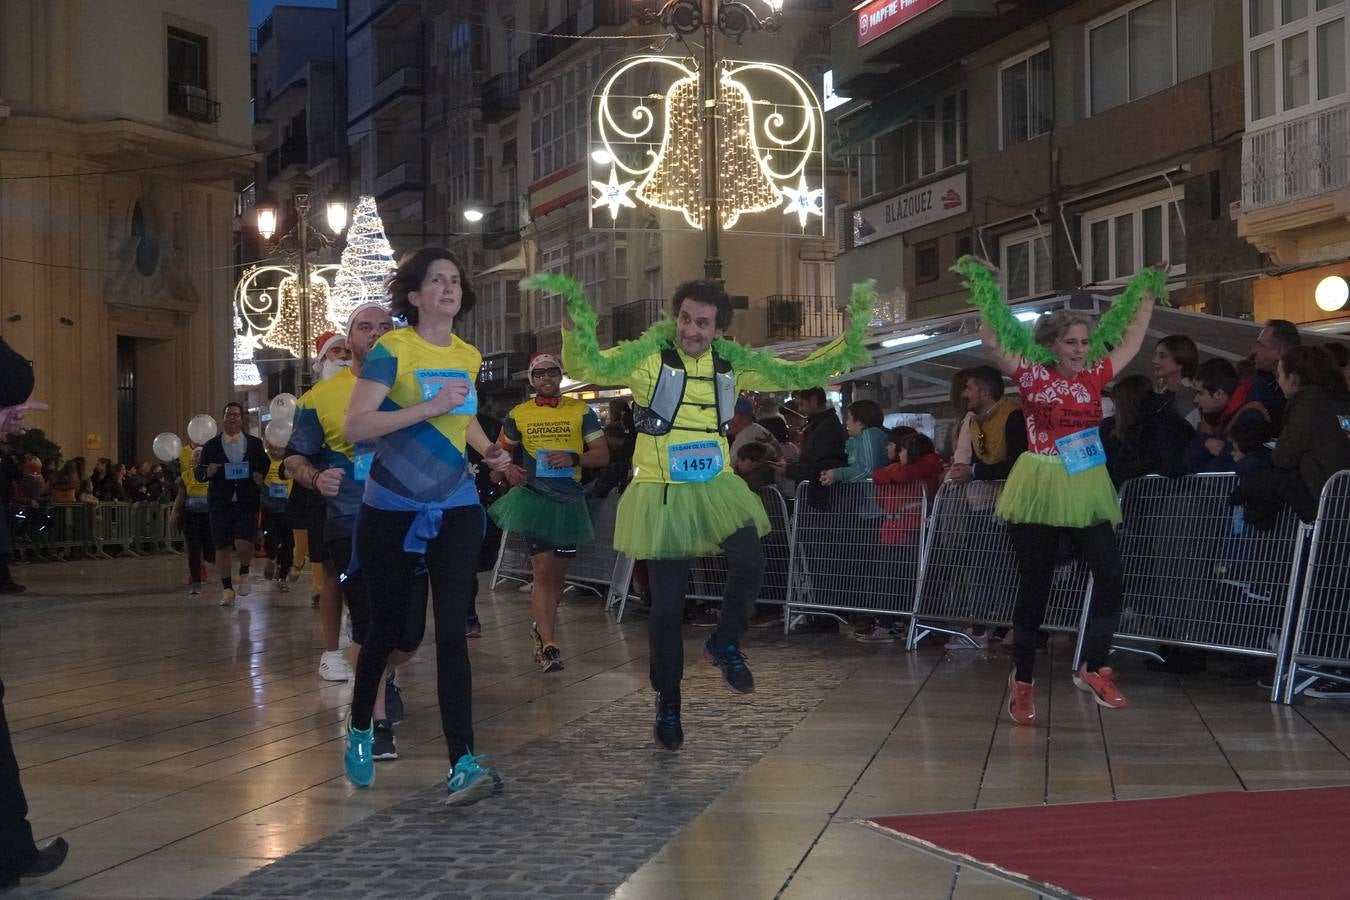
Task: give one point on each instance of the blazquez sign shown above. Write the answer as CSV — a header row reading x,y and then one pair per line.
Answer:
x,y
880,16
911,209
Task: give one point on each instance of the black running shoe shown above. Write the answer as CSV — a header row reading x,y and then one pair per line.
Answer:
x,y
551,659
393,702
668,732
736,675
382,744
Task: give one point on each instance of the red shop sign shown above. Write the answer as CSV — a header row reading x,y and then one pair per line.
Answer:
x,y
880,16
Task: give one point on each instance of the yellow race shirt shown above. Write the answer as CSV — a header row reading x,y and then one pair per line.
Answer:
x,y
195,490
426,462
320,415
538,428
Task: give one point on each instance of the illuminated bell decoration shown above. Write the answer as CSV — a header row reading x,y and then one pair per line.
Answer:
x,y
285,331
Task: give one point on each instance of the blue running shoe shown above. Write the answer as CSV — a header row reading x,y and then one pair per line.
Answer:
x,y
358,760
668,732
736,675
468,782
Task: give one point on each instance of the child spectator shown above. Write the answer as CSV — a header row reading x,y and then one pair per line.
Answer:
x,y
752,464
1222,398
866,446
913,460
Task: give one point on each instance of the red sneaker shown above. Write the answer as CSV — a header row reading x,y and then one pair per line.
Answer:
x,y
1102,685
1021,701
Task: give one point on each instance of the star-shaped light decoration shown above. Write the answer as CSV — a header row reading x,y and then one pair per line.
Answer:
x,y
803,201
613,194
246,372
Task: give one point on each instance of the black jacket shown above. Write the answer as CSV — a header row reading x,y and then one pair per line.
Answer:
x,y
824,447
219,488
1159,449
1313,443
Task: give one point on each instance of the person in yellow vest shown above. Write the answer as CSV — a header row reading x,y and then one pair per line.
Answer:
x,y
191,517
278,538
558,437
998,430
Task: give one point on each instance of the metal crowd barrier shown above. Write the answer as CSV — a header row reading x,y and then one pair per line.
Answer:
x,y
59,530
857,548
115,526
708,574
1321,636
1197,575
592,567
969,574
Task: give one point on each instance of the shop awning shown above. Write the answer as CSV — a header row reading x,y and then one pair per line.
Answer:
x,y
514,264
893,110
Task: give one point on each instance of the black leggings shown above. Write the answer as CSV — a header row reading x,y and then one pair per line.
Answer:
x,y
451,562
1035,546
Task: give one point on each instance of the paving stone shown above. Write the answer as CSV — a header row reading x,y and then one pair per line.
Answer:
x,y
582,809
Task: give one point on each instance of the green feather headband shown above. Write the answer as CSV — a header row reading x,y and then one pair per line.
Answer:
x,y
615,366
1015,338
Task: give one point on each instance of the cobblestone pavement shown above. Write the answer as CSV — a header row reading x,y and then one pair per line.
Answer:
x,y
583,809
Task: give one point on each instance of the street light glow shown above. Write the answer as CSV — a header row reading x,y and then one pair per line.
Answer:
x,y
337,216
473,215
267,222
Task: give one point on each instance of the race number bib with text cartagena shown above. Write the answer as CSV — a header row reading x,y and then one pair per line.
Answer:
x,y
1081,451
695,461
432,380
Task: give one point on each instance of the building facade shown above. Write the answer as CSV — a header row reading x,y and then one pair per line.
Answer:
x,y
1069,143
117,196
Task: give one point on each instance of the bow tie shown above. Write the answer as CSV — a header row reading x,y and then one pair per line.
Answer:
x,y
546,401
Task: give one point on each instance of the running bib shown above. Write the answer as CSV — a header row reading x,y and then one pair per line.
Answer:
x,y
543,470
197,504
1081,451
361,465
236,471
431,381
695,461
278,491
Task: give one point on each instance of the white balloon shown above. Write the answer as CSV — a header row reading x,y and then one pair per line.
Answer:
x,y
201,428
283,407
278,432
167,446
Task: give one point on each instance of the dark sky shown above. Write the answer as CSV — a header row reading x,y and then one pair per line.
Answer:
x,y
261,9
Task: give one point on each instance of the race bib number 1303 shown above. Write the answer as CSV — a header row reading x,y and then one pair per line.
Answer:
x,y
1081,451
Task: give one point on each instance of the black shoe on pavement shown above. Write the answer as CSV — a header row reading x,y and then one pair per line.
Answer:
x,y
393,702
382,743
12,587
49,859
551,660
702,617
736,675
667,731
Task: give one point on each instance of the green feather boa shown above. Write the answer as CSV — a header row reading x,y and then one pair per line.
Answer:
x,y
615,366
1016,339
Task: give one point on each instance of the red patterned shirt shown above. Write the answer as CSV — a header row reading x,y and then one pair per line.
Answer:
x,y
1056,406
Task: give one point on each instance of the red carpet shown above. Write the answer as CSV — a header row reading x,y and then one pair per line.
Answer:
x,y
1263,844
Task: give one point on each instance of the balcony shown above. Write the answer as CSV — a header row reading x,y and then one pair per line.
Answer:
x,y
398,185
1296,160
398,93
796,316
501,227
293,152
501,96
597,14
631,319
192,102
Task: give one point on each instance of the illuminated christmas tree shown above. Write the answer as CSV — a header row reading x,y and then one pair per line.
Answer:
x,y
367,263
246,372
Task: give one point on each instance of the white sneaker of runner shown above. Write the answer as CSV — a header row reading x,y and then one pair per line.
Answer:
x,y
333,666
242,587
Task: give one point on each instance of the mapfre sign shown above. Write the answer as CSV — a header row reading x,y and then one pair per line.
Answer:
x,y
880,16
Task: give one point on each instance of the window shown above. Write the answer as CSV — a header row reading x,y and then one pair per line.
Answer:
x,y
926,266
1296,56
548,307
1121,239
1024,97
935,139
1025,261
559,109
1147,48
187,60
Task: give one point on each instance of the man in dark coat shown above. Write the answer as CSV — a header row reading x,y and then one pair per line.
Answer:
x,y
234,465
823,447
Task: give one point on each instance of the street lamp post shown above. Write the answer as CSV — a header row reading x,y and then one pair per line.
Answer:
x,y
297,242
734,18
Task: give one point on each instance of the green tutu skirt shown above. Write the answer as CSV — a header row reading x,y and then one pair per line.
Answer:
x,y
683,521
561,523
1040,491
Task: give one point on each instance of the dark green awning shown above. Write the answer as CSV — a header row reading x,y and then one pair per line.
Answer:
x,y
893,110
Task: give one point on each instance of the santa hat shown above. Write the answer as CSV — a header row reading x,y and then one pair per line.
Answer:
x,y
545,361
324,342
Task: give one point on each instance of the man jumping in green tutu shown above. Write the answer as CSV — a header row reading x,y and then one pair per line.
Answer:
x,y
685,499
558,436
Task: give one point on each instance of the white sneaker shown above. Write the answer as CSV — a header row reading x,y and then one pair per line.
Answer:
x,y
333,666
957,642
345,631
242,587
525,588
